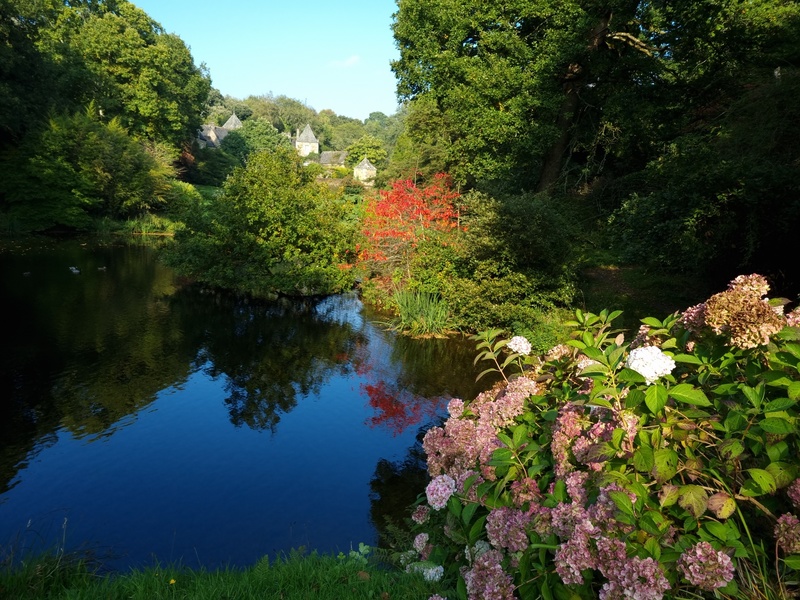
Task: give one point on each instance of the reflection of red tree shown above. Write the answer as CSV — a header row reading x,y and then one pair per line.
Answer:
x,y
398,410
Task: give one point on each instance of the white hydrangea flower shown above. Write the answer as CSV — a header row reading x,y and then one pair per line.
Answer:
x,y
650,362
520,345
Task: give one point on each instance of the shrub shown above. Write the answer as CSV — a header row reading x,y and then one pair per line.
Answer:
x,y
663,466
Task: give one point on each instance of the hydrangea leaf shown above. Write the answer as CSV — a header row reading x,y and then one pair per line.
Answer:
x,y
763,480
783,473
688,394
777,425
694,499
656,398
666,464
722,505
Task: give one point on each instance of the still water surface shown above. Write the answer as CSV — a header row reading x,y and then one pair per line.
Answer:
x,y
144,420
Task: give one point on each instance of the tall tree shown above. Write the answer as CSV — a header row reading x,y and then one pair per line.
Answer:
x,y
526,88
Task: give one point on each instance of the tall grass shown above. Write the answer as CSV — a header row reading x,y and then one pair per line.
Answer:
x,y
293,577
421,314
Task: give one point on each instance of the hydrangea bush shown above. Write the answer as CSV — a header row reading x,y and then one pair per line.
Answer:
x,y
665,466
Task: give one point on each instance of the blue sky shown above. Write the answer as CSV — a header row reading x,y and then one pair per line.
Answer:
x,y
326,54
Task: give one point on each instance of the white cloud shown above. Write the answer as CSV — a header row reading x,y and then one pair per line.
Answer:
x,y
352,61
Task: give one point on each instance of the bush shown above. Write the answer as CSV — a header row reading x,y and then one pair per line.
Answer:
x,y
664,466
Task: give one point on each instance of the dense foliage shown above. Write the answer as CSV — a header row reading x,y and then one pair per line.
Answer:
x,y
96,100
272,230
674,119
80,168
661,466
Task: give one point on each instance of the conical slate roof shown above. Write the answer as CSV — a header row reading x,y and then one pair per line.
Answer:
x,y
307,136
233,122
365,164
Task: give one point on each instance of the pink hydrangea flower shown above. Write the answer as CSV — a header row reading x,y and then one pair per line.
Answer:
x,y
487,580
439,491
787,533
421,514
505,528
705,567
794,493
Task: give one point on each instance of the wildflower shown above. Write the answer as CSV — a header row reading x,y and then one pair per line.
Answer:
x,y
437,597
705,567
524,490
650,362
520,345
172,582
420,542
557,352
439,491
787,533
793,318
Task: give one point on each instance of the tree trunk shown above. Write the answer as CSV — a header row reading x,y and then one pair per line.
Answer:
x,y
554,159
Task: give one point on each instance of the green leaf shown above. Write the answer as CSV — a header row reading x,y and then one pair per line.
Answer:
x,y
476,530
469,512
794,390
627,375
783,473
688,394
665,464
653,548
656,398
754,395
694,499
687,358
520,435
643,460
668,495
730,448
454,506
779,404
793,561
777,425
717,529
764,480
622,501
653,322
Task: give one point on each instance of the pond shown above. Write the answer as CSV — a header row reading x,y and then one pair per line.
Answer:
x,y
146,420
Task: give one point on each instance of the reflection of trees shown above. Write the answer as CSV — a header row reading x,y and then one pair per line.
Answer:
x,y
270,354
82,351
396,409
394,488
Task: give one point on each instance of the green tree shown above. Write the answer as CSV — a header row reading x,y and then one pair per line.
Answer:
x,y
254,135
273,230
79,168
368,146
114,54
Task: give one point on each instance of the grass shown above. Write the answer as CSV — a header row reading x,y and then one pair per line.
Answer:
x,y
297,576
421,314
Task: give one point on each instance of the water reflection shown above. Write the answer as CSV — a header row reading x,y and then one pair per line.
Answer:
x,y
136,406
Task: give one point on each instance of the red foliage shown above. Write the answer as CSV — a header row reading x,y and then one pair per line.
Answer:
x,y
406,214
398,411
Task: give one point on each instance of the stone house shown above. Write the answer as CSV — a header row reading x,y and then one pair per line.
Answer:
x,y
365,172
330,159
306,142
211,136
